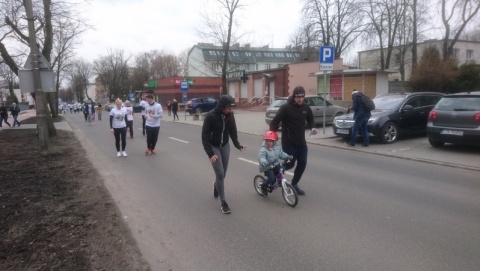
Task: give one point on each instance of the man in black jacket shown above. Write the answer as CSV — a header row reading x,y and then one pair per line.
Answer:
x,y
15,111
219,125
293,115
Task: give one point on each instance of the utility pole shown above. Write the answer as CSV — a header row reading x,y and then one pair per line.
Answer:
x,y
42,125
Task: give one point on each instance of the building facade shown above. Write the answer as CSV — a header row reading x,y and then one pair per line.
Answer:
x,y
463,52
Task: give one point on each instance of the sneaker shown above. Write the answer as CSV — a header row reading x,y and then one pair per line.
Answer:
x,y
153,152
349,144
300,192
119,154
215,193
264,190
147,152
124,153
225,209
365,145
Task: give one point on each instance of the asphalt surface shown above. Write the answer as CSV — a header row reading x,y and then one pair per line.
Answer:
x,y
412,148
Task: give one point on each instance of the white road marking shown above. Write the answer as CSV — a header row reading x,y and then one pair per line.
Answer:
x,y
256,163
183,141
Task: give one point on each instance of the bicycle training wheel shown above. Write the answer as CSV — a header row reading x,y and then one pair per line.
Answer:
x,y
257,181
290,195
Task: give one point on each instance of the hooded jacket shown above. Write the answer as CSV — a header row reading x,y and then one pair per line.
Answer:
x,y
267,156
217,128
293,118
358,107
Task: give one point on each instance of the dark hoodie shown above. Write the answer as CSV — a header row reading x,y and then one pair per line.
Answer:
x,y
295,119
218,127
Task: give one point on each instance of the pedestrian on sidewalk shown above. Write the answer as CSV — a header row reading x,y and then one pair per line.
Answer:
x,y
118,127
15,110
129,108
169,107
361,117
175,109
295,115
219,125
4,115
153,114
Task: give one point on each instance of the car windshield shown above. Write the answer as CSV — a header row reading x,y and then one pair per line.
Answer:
x,y
458,103
388,102
278,103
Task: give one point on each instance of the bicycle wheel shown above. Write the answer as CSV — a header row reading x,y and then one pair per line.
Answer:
x,y
257,181
289,194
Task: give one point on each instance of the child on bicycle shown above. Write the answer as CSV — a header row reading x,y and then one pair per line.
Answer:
x,y
269,159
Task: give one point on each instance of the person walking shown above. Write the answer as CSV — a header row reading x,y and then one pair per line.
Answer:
x,y
295,116
219,125
143,103
118,127
153,114
99,111
4,115
129,108
175,109
169,107
15,110
361,116
89,110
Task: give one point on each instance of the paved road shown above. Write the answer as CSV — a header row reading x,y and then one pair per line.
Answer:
x,y
362,211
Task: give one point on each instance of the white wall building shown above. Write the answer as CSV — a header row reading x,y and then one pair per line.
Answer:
x,y
463,51
205,59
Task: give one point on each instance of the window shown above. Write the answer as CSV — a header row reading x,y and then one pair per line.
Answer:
x,y
234,53
280,65
215,66
258,54
397,59
455,52
248,54
267,66
469,54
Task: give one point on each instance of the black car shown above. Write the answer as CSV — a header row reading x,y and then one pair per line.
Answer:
x,y
199,105
395,115
455,119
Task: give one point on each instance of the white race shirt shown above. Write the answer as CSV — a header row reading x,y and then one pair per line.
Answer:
x,y
129,112
118,120
143,103
153,113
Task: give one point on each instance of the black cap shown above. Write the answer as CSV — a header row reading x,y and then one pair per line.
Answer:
x,y
298,91
226,101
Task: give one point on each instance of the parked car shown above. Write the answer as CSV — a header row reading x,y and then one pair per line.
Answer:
x,y
316,104
395,115
455,119
199,105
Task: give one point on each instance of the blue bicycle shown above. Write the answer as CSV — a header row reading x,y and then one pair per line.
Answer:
x,y
289,193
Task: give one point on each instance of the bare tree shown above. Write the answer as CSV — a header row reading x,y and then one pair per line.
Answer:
x,y
8,79
332,22
81,73
113,72
456,15
220,30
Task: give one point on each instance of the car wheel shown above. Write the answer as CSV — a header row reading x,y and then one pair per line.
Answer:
x,y
436,143
198,110
389,133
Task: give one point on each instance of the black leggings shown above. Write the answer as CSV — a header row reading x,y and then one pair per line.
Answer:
x,y
152,136
130,125
120,132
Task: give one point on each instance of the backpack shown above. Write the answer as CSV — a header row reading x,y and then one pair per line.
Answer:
x,y
368,104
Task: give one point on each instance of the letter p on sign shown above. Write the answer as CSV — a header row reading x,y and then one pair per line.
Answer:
x,y
326,58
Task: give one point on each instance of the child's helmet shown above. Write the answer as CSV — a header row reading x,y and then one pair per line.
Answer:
x,y
270,135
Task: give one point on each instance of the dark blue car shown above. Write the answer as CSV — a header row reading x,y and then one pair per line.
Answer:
x,y
199,105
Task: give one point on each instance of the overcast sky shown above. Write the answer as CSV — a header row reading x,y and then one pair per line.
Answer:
x,y
143,25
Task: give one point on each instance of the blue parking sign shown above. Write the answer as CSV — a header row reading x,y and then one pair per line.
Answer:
x,y
327,55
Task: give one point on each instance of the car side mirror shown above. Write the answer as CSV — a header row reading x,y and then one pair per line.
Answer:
x,y
407,108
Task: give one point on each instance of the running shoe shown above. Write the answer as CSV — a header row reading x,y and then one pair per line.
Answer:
x,y
153,152
124,153
225,209
300,192
119,154
147,152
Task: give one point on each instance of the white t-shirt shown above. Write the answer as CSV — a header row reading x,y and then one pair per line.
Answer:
x,y
153,113
118,120
143,103
129,112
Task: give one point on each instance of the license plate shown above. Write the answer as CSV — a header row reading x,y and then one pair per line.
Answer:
x,y
343,131
451,132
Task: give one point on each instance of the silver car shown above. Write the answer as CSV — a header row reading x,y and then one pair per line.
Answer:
x,y
316,104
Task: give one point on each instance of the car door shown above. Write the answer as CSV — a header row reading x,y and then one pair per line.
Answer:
x,y
314,105
414,114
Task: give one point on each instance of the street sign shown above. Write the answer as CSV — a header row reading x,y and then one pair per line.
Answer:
x,y
184,98
26,80
327,55
184,85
